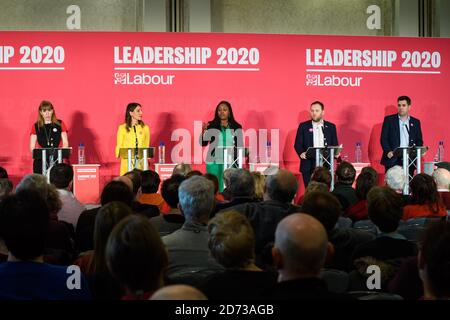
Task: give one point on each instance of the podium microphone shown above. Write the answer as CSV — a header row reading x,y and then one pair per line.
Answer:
x,y
136,148
324,138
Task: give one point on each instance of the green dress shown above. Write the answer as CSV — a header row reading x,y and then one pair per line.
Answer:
x,y
216,168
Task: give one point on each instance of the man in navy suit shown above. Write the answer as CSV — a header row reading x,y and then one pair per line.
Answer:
x,y
313,133
399,130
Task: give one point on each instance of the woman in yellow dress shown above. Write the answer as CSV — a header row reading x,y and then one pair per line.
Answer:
x,y
131,134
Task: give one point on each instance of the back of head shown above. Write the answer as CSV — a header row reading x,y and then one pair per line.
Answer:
x,y
442,178
35,182
385,208
395,178
214,180
150,181
226,176
345,173
435,258
3,173
302,242
241,184
178,292
281,186
61,175
231,240
169,190
424,191
136,256
24,221
322,174
323,206
260,182
194,173
116,191
38,183
365,181
182,169
135,176
196,196
106,219
6,187
316,186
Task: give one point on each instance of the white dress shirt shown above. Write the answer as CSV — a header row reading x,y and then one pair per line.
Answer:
x,y
318,137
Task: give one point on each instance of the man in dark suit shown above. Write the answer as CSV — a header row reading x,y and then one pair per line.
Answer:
x,y
313,133
399,130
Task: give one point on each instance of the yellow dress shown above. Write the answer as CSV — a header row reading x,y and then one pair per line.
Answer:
x,y
128,139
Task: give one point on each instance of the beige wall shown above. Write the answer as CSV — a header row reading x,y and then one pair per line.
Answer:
x,y
98,15
340,17
299,16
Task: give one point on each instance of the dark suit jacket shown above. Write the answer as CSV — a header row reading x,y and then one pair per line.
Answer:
x,y
390,136
305,137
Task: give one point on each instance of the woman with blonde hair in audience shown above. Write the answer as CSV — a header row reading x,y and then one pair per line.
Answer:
x,y
260,182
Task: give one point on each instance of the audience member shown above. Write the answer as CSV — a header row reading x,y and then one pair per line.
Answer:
x,y
60,234
319,175
150,186
232,244
390,248
264,216
193,173
226,182
395,179
325,207
425,199
61,176
343,190
144,209
173,220
366,180
300,250
188,247
6,187
182,169
434,261
241,189
24,222
93,262
260,182
178,292
113,191
218,196
442,178
136,257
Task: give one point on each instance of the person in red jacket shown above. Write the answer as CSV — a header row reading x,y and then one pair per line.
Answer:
x,y
425,199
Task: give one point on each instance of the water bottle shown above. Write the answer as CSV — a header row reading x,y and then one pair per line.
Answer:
x,y
441,155
162,152
81,153
358,153
268,151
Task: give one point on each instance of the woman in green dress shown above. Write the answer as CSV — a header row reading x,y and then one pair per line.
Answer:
x,y
227,132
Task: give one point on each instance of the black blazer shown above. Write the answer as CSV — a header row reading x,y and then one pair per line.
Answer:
x,y
390,136
305,136
238,139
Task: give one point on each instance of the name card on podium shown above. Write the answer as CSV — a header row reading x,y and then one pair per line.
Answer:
x,y
86,183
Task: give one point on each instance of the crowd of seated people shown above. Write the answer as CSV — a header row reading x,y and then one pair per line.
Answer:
x,y
183,239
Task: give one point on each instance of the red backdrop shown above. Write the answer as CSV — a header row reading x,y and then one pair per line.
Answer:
x,y
273,90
